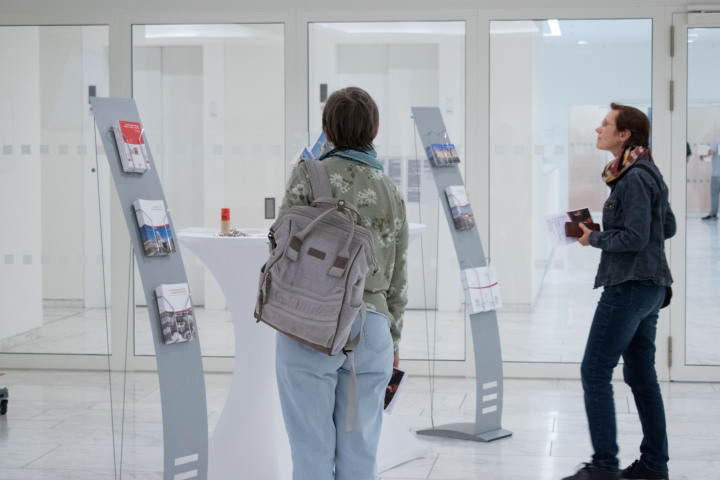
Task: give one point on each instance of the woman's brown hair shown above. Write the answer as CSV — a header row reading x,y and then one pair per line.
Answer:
x,y
350,119
635,121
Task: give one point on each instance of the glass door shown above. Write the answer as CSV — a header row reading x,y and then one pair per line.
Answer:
x,y
551,84
696,134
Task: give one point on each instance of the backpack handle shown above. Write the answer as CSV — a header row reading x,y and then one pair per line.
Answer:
x,y
342,258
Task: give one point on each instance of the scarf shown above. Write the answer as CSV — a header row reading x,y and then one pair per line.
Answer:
x,y
368,157
617,167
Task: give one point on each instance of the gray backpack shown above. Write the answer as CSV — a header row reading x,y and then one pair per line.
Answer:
x,y
311,287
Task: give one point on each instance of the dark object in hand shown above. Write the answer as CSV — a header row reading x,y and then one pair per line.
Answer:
x,y
572,229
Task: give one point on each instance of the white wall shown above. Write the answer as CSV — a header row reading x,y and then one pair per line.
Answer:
x,y
20,185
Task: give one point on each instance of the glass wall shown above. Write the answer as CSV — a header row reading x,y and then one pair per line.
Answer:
x,y
211,99
702,331
54,260
404,65
551,83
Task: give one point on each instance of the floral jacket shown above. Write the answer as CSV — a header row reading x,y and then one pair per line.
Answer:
x,y
383,213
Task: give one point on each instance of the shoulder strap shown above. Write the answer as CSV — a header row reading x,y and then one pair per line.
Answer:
x,y
319,180
650,171
657,180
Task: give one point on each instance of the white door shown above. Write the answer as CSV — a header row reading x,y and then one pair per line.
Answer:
x,y
695,310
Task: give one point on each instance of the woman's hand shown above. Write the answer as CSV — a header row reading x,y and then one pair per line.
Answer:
x,y
585,239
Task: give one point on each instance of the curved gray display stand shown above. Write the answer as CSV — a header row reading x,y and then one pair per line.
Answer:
x,y
485,333
179,365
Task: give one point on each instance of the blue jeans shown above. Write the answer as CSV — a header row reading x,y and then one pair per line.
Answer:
x,y
313,390
714,194
625,324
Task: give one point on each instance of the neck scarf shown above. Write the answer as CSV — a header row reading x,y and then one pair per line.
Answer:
x,y
617,167
368,157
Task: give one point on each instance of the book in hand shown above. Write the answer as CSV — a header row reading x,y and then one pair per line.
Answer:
x,y
480,287
572,228
462,214
155,232
131,147
177,319
442,154
393,386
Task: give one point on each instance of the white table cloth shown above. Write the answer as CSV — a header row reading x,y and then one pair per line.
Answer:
x,y
249,438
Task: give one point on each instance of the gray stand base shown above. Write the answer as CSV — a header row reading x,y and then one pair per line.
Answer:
x,y
464,431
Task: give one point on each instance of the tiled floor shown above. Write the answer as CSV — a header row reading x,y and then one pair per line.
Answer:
x,y
59,427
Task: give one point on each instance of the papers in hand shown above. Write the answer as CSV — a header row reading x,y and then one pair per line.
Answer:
x,y
556,225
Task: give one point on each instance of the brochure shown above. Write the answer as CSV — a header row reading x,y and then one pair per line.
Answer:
x,y
560,232
131,147
462,215
155,232
480,287
442,155
393,386
176,313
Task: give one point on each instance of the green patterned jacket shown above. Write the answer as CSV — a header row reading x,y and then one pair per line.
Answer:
x,y
383,213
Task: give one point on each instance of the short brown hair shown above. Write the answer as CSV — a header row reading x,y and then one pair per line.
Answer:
x,y
632,119
350,119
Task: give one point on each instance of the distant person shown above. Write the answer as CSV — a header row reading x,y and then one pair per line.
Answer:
x,y
688,152
634,274
314,386
714,152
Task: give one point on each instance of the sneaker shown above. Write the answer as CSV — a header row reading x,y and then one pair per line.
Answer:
x,y
639,471
709,217
591,472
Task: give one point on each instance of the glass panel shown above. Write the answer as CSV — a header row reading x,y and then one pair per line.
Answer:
x,y
404,65
551,83
51,261
211,99
703,189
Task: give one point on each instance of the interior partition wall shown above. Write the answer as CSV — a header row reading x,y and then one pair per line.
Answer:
x,y
495,74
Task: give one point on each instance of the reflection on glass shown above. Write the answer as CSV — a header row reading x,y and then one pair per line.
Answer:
x,y
211,100
52,287
702,303
404,65
551,83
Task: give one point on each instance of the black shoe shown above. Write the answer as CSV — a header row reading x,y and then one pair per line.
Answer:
x,y
639,471
709,217
591,472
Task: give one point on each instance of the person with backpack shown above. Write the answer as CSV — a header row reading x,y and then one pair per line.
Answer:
x,y
635,277
314,387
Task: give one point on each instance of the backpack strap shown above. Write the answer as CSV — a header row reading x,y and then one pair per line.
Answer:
x,y
319,180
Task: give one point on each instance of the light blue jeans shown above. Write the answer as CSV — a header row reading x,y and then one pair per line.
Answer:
x,y
714,194
313,394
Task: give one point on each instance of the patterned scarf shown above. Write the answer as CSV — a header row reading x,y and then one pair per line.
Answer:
x,y
617,167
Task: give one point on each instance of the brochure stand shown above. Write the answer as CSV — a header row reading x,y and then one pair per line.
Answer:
x,y
179,365
484,327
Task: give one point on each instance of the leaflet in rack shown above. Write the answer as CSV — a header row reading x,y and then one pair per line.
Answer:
x,y
131,147
176,314
462,214
481,289
155,232
442,154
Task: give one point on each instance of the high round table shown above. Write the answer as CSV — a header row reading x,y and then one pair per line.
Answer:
x,y
249,439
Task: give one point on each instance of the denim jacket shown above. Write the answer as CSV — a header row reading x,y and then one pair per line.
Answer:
x,y
637,219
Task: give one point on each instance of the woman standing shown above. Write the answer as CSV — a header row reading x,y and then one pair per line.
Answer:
x,y
314,386
634,274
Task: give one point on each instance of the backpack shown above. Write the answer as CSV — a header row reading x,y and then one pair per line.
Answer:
x,y
311,287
